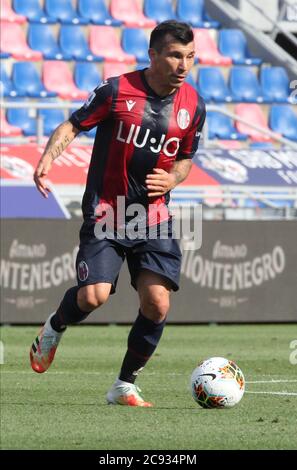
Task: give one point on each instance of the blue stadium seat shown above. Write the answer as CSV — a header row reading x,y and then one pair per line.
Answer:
x,y
27,81
212,86
221,127
245,87
7,89
191,80
33,11
283,120
72,41
4,55
95,11
21,117
275,84
233,43
194,12
52,118
41,38
135,42
63,11
86,76
159,10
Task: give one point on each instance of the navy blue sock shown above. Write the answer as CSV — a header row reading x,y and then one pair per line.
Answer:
x,y
68,312
142,342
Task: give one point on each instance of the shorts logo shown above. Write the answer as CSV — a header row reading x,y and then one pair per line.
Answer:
x,y
82,271
183,118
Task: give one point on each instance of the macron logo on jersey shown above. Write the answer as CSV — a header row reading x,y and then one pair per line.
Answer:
x,y
130,104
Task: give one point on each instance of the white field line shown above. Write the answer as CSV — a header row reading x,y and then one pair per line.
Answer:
x,y
274,393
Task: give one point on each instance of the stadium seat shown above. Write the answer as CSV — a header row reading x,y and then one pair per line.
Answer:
x,y
190,79
206,49
7,89
275,85
194,13
86,76
8,14
63,10
283,120
159,10
105,42
245,87
135,42
27,81
52,118
32,10
6,129
233,43
221,127
253,113
212,86
4,55
114,69
41,38
72,41
22,118
95,11
13,41
58,77
130,13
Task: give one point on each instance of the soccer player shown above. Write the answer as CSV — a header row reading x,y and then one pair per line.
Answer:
x,y
149,123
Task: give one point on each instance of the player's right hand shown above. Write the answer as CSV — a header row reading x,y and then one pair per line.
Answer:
x,y
41,172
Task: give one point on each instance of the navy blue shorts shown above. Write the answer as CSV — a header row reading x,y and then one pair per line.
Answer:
x,y
101,260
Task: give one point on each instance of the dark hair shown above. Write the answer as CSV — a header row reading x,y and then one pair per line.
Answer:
x,y
180,31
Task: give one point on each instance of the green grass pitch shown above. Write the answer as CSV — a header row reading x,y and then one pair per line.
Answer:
x,y
65,408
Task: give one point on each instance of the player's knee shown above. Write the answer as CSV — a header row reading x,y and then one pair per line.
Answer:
x,y
156,306
91,297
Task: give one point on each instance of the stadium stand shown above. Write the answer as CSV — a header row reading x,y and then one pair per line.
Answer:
x,y
6,129
233,43
14,42
275,85
57,77
245,87
253,113
135,42
221,127
63,11
130,13
212,85
72,41
7,88
22,118
194,12
32,10
52,118
27,81
207,51
96,12
105,42
283,120
41,38
86,76
159,10
8,14
113,69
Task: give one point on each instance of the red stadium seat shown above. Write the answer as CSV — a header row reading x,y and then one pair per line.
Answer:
x,y
6,129
13,41
7,13
130,13
105,42
253,113
58,77
207,51
114,69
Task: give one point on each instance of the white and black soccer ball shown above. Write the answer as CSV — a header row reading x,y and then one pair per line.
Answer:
x,y
217,383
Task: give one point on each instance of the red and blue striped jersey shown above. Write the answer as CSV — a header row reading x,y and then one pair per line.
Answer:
x,y
137,131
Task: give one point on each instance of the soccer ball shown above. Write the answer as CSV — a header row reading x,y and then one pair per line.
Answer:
x,y
217,383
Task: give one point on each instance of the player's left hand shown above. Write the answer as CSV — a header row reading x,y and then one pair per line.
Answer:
x,y
160,182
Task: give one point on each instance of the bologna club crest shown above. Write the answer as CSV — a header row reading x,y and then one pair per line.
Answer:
x,y
82,271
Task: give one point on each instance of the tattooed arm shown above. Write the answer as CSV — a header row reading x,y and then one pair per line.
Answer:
x,y
160,182
58,141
